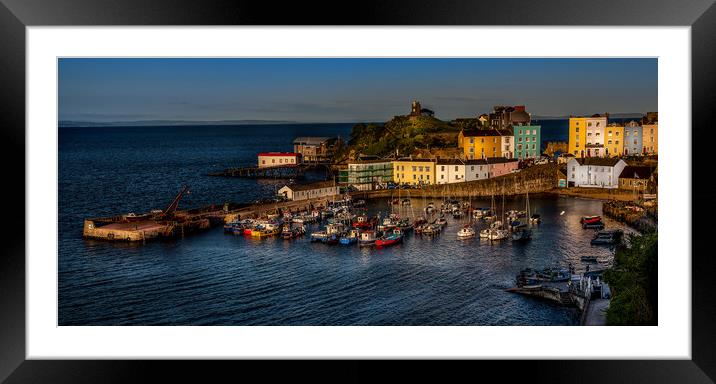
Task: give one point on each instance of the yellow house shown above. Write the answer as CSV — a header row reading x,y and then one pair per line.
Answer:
x,y
414,171
484,143
650,138
614,139
578,136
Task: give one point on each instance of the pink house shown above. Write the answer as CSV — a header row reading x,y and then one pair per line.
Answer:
x,y
499,166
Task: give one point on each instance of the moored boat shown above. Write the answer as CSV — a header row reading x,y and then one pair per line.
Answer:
x,y
607,237
522,234
590,219
466,232
391,238
366,238
349,238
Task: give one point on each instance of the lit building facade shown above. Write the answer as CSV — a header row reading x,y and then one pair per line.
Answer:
x,y
414,171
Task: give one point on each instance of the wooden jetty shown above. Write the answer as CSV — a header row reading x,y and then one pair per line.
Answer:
x,y
285,172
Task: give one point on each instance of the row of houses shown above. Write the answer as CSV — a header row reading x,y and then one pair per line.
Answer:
x,y
506,132
609,172
368,174
593,136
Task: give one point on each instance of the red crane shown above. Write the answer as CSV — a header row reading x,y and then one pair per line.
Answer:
x,y
169,212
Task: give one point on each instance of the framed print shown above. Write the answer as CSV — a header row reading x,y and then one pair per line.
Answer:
x,y
206,181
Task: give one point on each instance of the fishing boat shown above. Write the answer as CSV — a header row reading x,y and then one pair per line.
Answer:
x,y
289,232
419,221
361,222
466,232
265,230
349,238
607,237
391,238
441,221
366,238
231,226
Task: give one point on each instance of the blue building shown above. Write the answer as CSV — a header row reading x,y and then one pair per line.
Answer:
x,y
528,141
633,138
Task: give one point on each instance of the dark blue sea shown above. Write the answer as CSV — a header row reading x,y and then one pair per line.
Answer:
x,y
217,279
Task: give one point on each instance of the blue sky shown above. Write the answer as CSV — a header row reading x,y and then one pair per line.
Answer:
x,y
347,90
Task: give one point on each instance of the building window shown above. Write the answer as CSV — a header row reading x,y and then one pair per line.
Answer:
x,y
415,168
442,168
427,169
442,177
472,140
589,124
415,176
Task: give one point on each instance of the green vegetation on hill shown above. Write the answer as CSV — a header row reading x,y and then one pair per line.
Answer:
x,y
402,133
633,282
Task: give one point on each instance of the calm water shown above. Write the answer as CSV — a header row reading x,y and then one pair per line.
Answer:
x,y
217,279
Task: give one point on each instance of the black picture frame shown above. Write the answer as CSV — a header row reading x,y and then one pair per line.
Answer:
x,y
15,15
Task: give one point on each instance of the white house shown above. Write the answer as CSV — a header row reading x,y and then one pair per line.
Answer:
x,y
597,172
309,191
477,169
449,171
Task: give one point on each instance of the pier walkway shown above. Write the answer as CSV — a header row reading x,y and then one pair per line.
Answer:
x,y
596,312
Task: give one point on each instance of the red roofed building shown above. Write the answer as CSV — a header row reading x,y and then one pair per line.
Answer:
x,y
278,159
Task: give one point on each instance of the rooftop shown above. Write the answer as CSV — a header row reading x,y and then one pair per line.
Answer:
x,y
487,132
309,186
476,162
636,172
415,159
601,161
279,154
498,160
311,140
450,162
371,161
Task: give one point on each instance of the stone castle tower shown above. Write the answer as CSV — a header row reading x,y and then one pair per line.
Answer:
x,y
415,108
